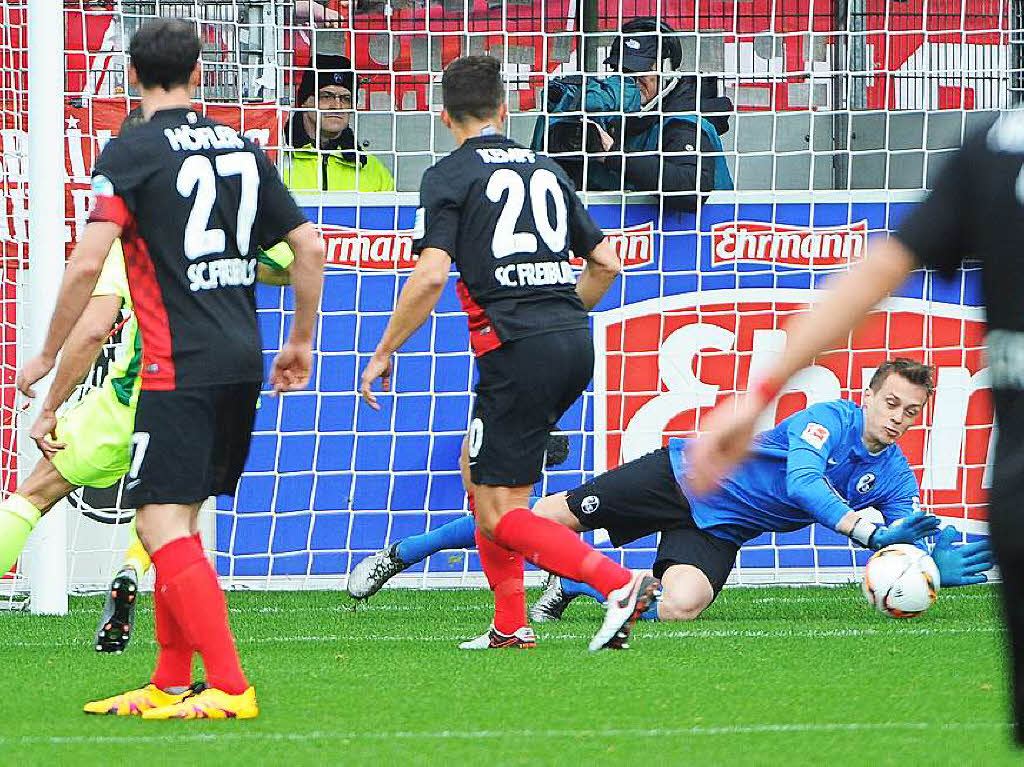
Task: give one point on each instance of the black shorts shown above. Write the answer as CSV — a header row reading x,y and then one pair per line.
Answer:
x,y
642,497
524,387
190,443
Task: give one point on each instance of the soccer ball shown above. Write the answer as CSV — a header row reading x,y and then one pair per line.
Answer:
x,y
901,580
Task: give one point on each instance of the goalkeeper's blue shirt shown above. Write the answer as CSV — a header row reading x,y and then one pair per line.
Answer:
x,y
812,467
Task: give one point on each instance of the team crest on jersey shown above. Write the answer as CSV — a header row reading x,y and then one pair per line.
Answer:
x,y
815,435
590,504
865,483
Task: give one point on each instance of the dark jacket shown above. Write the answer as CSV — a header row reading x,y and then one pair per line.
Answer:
x,y
649,162
646,144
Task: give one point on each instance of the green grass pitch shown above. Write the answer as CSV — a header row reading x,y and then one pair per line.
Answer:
x,y
767,676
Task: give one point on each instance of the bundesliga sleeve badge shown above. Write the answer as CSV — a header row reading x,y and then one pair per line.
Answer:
x,y
815,435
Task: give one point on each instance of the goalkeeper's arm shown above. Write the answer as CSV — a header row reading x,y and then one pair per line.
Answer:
x,y
81,348
810,442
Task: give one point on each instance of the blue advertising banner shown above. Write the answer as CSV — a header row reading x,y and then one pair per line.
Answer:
x,y
699,307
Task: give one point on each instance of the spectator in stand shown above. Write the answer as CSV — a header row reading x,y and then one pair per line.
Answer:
x,y
323,151
666,135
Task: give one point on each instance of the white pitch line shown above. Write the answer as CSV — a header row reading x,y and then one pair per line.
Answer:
x,y
856,597
832,596
342,608
727,730
898,630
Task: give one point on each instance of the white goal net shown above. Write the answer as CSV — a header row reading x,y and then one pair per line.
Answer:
x,y
839,114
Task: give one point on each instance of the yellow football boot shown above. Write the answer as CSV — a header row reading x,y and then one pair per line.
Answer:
x,y
135,702
211,703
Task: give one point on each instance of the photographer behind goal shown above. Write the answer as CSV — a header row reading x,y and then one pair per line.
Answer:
x,y
646,127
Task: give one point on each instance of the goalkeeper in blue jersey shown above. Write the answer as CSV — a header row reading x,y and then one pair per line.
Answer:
x,y
824,464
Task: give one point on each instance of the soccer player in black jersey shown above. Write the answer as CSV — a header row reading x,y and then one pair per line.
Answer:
x,y
192,201
509,217
975,211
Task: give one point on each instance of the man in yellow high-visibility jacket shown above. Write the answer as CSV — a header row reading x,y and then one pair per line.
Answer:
x,y
323,153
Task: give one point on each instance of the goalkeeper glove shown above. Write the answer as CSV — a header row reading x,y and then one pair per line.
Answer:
x,y
557,450
908,530
960,565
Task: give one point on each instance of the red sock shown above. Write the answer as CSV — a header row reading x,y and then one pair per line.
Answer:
x,y
197,603
558,550
504,571
174,654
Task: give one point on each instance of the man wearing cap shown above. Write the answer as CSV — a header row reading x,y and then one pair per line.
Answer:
x,y
666,135
324,154
678,116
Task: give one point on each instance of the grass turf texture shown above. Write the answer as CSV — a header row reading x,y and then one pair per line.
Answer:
x,y
768,676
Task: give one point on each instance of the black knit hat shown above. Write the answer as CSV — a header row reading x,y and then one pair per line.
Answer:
x,y
330,70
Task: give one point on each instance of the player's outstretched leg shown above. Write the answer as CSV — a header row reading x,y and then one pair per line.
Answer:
x,y
114,629
21,511
560,551
372,573
558,593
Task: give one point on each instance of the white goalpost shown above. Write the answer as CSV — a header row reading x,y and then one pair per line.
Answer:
x,y
46,556
842,114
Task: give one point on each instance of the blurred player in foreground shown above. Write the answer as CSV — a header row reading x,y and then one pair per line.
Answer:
x,y
191,201
508,217
976,210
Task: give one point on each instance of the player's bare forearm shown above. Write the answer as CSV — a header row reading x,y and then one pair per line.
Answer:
x,y
417,300
307,279
79,281
83,345
599,272
843,306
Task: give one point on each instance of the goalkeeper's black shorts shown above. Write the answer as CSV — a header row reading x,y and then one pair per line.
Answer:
x,y
642,498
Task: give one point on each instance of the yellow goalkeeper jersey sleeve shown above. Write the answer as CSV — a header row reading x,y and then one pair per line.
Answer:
x,y
123,372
